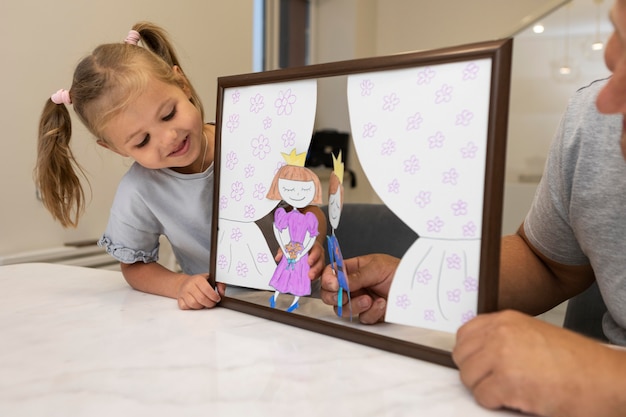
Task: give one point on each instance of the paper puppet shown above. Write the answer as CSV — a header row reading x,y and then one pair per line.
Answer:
x,y
421,136
295,231
335,204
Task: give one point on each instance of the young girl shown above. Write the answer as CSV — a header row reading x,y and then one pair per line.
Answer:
x,y
138,103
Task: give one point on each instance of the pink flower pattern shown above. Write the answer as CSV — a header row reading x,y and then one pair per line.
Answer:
x,y
403,301
425,76
289,138
454,296
394,186
236,190
444,94
232,123
366,87
471,71
423,198
249,211
453,261
469,151
256,103
231,160
422,129
261,146
412,165
249,171
236,234
469,229
222,262
423,276
242,269
259,191
369,130
390,102
459,208
284,103
436,141
414,122
236,96
464,118
467,316
388,147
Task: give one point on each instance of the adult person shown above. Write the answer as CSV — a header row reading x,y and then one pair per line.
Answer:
x,y
572,235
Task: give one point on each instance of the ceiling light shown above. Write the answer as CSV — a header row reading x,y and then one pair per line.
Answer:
x,y
597,44
538,28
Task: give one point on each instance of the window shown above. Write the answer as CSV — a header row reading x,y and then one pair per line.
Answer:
x,y
281,34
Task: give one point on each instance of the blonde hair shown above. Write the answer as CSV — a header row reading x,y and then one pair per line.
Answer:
x,y
295,173
104,83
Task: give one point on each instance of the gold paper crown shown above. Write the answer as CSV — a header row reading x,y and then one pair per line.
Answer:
x,y
338,167
294,159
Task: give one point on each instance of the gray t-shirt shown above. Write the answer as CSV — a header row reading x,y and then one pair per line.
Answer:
x,y
578,215
150,203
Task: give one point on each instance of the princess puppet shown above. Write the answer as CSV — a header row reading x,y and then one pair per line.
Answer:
x,y
295,231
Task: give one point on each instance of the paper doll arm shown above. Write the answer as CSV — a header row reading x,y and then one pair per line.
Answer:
x,y
321,222
307,244
282,237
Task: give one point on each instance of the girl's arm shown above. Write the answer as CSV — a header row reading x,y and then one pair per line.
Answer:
x,y
191,291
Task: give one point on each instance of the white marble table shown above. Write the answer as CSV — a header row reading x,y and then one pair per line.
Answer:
x,y
80,342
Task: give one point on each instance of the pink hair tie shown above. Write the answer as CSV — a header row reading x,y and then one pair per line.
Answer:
x,y
133,37
61,97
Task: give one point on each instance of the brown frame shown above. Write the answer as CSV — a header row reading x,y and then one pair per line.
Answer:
x,y
500,52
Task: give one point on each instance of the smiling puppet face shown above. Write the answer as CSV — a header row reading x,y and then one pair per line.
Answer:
x,y
297,194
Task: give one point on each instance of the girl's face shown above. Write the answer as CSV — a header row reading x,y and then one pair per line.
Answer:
x,y
297,194
612,98
159,129
334,208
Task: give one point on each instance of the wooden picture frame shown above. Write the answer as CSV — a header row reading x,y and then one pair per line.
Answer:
x,y
498,55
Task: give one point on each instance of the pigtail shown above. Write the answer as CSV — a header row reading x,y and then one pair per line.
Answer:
x,y
56,170
156,40
103,84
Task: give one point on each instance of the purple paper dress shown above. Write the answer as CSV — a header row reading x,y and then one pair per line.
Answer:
x,y
290,276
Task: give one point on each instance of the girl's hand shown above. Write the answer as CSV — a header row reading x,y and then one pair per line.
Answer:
x,y
196,293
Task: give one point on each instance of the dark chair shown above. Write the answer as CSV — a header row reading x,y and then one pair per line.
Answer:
x,y
374,228
371,228
584,313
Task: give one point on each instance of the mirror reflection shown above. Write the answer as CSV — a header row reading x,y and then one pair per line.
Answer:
x,y
421,133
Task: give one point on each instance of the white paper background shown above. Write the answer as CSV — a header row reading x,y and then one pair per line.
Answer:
x,y
258,123
420,135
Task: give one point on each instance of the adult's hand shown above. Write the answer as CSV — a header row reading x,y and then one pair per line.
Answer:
x,y
511,360
369,279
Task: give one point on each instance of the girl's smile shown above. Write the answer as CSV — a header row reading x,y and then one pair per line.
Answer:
x,y
182,149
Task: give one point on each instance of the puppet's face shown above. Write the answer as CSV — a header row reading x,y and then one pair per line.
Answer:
x,y
297,194
334,208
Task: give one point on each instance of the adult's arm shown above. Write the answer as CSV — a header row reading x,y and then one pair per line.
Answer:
x,y
531,282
